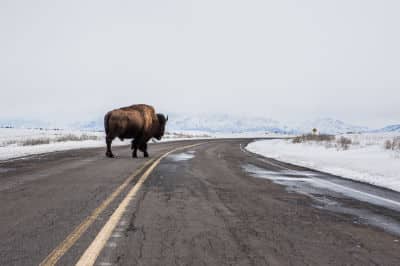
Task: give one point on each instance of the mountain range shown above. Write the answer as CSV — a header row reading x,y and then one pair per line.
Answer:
x,y
390,128
223,123
329,126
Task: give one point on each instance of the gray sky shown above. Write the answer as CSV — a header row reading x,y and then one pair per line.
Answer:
x,y
284,59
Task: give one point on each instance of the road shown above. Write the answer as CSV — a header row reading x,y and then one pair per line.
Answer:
x,y
209,204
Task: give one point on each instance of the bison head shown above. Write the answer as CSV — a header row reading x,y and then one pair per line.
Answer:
x,y
162,121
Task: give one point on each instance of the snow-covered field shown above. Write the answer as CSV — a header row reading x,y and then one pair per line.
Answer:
x,y
16,143
23,142
253,134
365,160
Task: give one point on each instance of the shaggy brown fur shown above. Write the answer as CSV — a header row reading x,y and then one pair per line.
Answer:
x,y
138,122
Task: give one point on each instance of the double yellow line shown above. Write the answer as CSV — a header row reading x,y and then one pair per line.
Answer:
x,y
91,254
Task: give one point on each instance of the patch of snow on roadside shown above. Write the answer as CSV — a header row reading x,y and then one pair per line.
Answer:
x,y
367,162
184,156
15,142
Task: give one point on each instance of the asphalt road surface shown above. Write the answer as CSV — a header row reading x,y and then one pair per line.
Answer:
x,y
209,204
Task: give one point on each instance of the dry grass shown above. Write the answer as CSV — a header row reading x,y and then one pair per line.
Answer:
x,y
316,138
183,135
33,142
8,142
393,144
64,138
389,142
344,143
72,137
325,139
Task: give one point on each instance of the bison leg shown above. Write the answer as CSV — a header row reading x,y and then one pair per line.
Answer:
x,y
145,153
134,147
143,148
132,144
108,142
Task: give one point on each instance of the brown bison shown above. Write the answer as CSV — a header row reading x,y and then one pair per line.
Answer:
x,y
138,122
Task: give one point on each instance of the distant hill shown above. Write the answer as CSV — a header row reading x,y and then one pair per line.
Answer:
x,y
93,125
329,126
24,123
390,128
224,123
221,123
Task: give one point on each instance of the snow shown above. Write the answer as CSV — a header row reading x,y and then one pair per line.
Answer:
x,y
329,126
233,123
21,134
221,123
10,152
254,134
390,128
365,161
13,141
224,123
184,156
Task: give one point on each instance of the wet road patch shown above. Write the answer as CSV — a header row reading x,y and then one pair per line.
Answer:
x,y
183,156
331,196
6,170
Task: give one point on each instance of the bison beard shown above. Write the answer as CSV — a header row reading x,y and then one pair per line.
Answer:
x,y
138,122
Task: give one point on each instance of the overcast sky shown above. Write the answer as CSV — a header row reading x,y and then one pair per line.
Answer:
x,y
288,60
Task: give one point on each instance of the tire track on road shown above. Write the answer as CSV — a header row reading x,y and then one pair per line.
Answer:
x,y
90,255
74,236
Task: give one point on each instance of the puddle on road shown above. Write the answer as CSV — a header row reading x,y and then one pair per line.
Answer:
x,y
6,170
318,183
278,176
324,192
184,156
367,217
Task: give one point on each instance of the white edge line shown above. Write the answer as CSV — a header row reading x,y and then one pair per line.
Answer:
x,y
91,254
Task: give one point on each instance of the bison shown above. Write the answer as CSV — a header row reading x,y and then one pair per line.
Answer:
x,y
138,122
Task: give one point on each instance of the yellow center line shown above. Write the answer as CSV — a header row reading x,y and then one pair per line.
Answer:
x,y
95,248
70,240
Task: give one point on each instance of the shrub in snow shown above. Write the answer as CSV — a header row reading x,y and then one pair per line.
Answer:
x,y
311,137
393,144
388,144
8,142
33,142
365,163
72,137
344,143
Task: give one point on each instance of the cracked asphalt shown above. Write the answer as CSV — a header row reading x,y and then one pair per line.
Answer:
x,y
206,210
198,207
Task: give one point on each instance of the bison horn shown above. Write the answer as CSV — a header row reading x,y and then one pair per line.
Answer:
x,y
167,118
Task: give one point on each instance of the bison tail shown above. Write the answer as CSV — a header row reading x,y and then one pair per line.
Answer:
x,y
106,124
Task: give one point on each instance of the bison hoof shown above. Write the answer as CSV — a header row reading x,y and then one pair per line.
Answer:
x,y
109,155
134,155
146,155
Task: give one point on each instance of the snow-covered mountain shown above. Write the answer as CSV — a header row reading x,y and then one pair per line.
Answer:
x,y
225,123
390,128
92,125
329,126
213,123
24,123
236,123
222,123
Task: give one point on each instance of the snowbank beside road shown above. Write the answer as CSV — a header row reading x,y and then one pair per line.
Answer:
x,y
14,151
16,143
367,161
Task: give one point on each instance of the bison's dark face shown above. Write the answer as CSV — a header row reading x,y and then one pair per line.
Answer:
x,y
162,121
